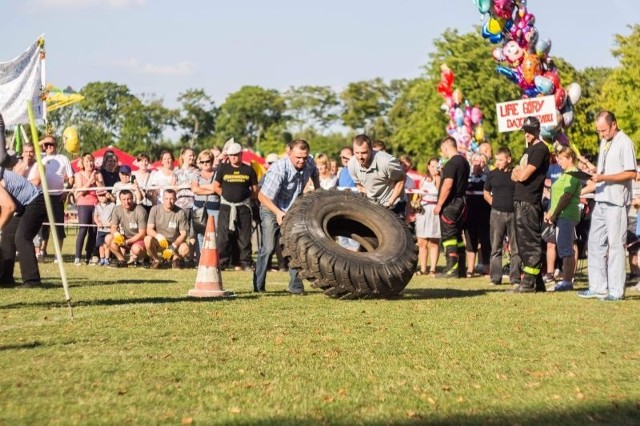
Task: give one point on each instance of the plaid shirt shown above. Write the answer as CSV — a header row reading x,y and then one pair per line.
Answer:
x,y
283,183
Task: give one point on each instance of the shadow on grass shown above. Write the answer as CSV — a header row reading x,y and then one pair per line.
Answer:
x,y
82,282
619,413
441,293
30,345
126,301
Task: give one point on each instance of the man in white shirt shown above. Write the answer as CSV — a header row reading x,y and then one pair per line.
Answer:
x,y
58,172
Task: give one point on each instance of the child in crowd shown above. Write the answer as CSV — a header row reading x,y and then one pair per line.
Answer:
x,y
102,218
564,212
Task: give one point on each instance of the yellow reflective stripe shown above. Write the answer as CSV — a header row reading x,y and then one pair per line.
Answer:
x,y
461,244
531,271
451,242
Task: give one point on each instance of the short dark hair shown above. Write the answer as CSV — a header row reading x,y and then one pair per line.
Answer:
x,y
504,150
170,191
299,143
449,140
125,192
361,139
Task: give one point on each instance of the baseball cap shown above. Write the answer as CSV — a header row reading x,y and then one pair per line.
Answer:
x,y
272,158
234,148
531,125
125,170
101,192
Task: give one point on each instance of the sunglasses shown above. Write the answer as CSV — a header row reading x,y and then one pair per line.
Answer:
x,y
204,162
345,158
233,155
48,145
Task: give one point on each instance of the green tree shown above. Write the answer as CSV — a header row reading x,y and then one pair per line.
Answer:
x,y
314,107
248,114
582,133
111,115
197,118
366,103
620,91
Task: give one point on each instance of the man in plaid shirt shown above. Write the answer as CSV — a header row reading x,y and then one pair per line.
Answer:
x,y
283,183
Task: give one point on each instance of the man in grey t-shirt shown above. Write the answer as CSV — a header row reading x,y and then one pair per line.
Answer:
x,y
167,230
607,235
378,174
128,229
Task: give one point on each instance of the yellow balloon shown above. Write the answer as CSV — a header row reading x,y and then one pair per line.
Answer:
x,y
496,25
479,134
71,140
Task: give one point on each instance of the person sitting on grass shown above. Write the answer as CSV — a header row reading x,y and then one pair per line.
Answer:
x,y
128,228
167,230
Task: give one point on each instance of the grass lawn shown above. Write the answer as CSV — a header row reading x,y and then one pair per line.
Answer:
x,y
448,351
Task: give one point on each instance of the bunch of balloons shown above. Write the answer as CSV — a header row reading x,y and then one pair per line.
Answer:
x,y
525,60
465,122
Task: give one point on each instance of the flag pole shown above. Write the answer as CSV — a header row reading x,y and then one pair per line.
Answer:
x,y
45,190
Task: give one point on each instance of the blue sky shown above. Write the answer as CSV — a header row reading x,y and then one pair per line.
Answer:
x,y
166,47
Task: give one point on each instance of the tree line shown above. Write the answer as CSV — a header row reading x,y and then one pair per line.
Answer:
x,y
405,113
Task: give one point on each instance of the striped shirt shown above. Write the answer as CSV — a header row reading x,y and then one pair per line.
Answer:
x,y
21,190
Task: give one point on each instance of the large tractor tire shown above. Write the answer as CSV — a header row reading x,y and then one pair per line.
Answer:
x,y
382,267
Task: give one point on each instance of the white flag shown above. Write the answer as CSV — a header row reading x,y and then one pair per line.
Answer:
x,y
22,80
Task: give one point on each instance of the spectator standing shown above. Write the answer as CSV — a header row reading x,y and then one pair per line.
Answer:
x,y
202,187
237,185
128,182
283,184
498,192
162,178
86,179
477,229
327,180
529,177
615,171
59,176
102,218
427,222
452,207
344,178
142,176
27,166
109,169
564,213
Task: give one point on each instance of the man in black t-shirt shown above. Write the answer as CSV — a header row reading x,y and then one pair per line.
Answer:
x,y
451,207
529,177
477,230
498,192
237,185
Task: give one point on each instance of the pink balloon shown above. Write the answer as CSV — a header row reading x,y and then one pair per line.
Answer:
x,y
476,115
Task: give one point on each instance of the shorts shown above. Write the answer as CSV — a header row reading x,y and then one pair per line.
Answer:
x,y
565,237
100,238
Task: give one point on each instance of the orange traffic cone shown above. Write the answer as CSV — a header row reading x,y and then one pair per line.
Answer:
x,y
209,280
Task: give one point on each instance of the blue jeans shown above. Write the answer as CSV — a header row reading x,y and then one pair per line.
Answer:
x,y
200,237
269,229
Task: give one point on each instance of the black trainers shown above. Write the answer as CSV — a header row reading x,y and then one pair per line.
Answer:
x,y
119,264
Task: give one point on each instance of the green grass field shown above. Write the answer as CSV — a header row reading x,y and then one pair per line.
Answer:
x,y
447,352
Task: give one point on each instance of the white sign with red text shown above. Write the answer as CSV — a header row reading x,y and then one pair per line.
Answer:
x,y
512,114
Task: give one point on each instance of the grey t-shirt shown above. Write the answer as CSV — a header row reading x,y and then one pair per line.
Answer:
x,y
380,178
615,157
169,223
129,222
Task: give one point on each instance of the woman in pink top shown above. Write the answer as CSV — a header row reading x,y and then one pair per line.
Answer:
x,y
88,177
